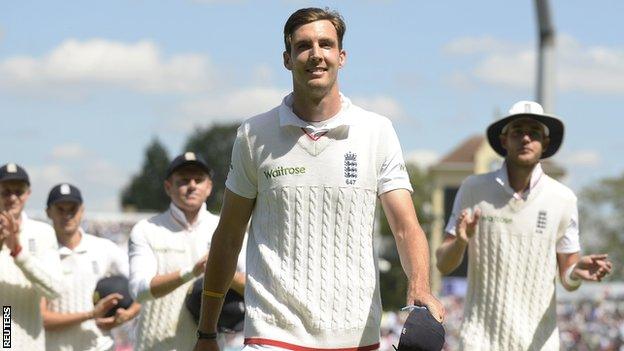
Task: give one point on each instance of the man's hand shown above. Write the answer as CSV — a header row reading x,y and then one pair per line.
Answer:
x,y
122,315
592,267
200,266
105,304
423,298
466,225
206,345
9,231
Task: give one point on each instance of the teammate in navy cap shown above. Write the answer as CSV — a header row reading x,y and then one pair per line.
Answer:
x,y
167,252
29,264
72,322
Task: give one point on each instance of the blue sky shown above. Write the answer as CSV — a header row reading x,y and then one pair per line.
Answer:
x,y
85,86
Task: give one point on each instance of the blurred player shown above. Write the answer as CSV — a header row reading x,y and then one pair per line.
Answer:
x,y
71,321
309,173
520,227
167,252
29,262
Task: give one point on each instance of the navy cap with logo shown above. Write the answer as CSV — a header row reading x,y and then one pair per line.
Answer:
x,y
113,284
421,332
64,192
188,158
12,171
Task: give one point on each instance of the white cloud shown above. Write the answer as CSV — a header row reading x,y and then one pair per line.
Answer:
x,y
382,105
68,151
580,68
422,158
477,45
582,158
76,65
99,180
233,106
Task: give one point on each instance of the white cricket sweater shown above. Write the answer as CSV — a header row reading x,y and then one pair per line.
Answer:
x,y
312,276
165,323
93,259
512,267
34,273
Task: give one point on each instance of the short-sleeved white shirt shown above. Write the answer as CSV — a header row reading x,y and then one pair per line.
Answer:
x,y
568,243
83,266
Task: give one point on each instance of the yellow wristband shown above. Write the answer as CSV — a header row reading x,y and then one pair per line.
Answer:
x,y
212,294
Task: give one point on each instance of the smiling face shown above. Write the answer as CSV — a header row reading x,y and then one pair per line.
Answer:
x,y
524,141
188,187
315,58
13,196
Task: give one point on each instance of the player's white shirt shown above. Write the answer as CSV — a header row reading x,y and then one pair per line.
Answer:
x,y
34,273
163,244
311,274
568,243
93,259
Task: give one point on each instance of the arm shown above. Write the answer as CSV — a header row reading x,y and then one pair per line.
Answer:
x,y
413,249
451,253
56,321
164,284
145,283
42,270
226,244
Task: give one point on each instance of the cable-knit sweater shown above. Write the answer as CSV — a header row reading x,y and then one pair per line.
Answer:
x,y
164,323
512,267
311,265
34,273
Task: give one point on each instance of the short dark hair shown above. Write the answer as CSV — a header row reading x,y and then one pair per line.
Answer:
x,y
313,14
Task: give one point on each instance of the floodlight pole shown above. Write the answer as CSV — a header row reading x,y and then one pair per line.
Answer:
x,y
546,56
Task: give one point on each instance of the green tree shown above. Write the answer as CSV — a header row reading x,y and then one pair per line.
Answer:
x,y
214,144
601,212
145,192
393,283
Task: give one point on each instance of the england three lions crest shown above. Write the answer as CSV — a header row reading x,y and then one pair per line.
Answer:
x,y
350,168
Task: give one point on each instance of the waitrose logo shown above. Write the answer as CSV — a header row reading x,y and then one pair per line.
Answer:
x,y
281,171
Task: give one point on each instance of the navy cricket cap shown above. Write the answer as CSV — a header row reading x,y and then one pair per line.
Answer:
x,y
188,158
421,332
232,317
113,284
12,171
64,192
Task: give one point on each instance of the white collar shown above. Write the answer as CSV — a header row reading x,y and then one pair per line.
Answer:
x,y
80,248
502,178
289,118
180,218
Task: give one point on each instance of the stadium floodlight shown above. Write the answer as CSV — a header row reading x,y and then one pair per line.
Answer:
x,y
545,58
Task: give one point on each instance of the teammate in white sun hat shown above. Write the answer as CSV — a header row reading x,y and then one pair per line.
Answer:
x,y
72,322
521,230
29,263
308,173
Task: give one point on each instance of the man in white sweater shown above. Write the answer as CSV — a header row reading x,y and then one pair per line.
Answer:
x,y
29,264
167,252
71,321
520,227
308,173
